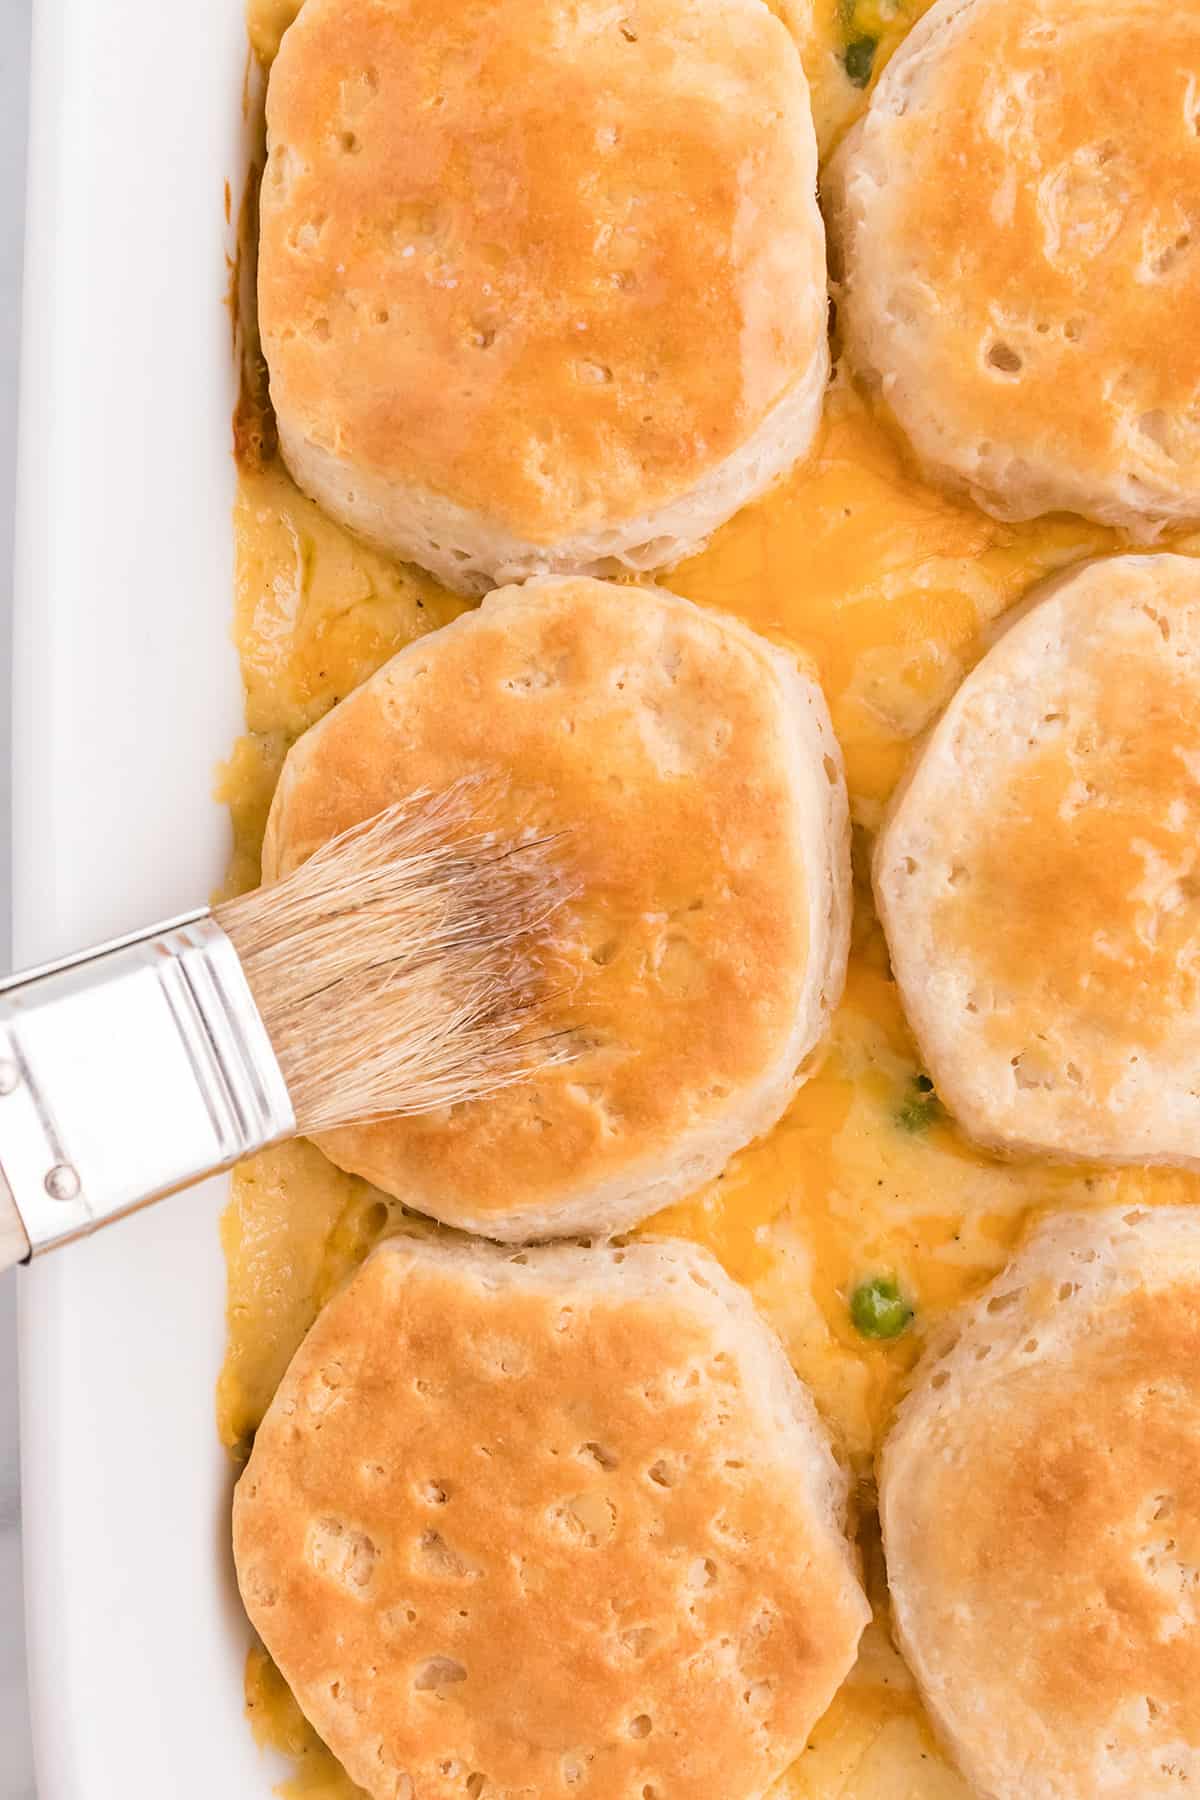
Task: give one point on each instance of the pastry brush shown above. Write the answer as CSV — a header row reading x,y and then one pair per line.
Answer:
x,y
392,973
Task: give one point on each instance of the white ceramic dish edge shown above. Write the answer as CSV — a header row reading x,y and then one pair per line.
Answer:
x,y
125,697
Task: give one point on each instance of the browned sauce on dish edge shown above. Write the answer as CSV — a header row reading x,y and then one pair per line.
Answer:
x,y
890,587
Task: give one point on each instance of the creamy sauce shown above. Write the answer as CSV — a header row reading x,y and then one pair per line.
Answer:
x,y
890,588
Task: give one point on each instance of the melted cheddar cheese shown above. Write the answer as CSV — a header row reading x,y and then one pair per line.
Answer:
x,y
890,588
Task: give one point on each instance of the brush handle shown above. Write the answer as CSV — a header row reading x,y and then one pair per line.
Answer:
x,y
127,1073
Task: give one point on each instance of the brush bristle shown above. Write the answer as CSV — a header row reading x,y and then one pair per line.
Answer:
x,y
396,970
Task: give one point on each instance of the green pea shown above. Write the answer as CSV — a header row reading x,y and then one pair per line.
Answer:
x,y
920,1107
879,1309
859,59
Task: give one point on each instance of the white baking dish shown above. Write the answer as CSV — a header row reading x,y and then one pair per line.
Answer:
x,y
126,696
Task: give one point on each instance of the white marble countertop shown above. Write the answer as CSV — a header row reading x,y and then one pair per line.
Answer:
x,y
16,1760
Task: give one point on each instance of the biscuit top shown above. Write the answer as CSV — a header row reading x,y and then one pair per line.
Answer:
x,y
551,261
1042,1515
1080,891
1035,251
1044,860
563,1523
664,740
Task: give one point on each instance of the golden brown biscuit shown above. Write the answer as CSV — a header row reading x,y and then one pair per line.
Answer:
x,y
1039,875
563,1521
1040,1495
695,770
1015,222
542,285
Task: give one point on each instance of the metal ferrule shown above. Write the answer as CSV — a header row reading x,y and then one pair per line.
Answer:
x,y
128,1072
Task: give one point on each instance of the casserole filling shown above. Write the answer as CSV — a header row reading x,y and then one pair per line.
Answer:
x,y
865,1214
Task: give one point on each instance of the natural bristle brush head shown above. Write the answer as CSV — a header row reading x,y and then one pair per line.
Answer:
x,y
395,969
